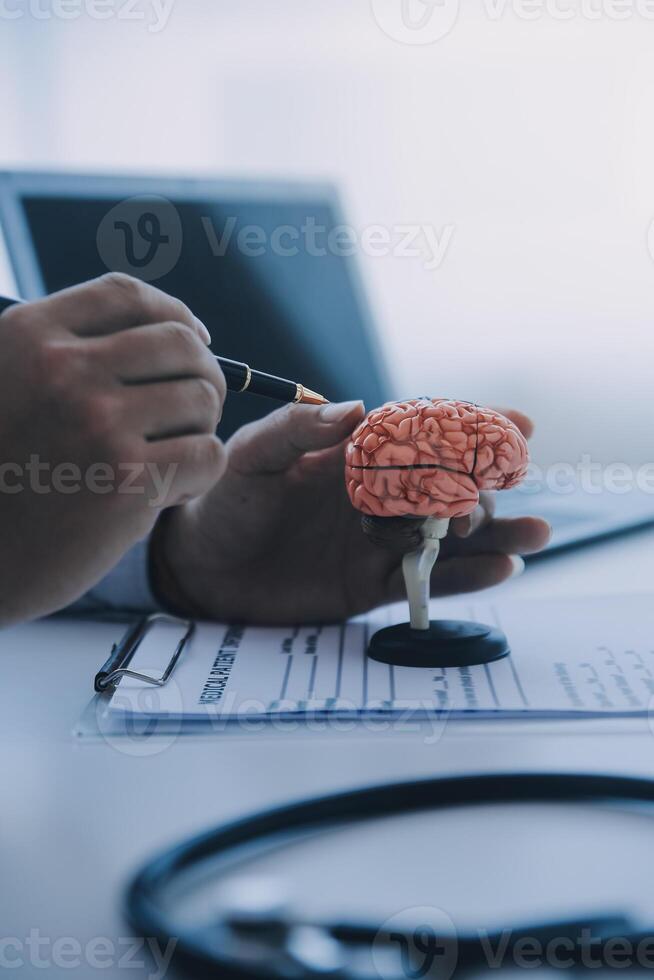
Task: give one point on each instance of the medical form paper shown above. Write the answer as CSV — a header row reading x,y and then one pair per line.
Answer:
x,y
569,657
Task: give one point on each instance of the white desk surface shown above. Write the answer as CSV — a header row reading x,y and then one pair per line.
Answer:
x,y
78,817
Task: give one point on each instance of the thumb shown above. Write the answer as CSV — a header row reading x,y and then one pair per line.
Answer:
x,y
275,442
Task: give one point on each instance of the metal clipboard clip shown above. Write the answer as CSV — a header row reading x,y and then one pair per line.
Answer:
x,y
122,653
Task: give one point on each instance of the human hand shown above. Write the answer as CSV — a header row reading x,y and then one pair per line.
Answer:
x,y
277,540
109,400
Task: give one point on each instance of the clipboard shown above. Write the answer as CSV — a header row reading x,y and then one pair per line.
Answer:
x,y
122,653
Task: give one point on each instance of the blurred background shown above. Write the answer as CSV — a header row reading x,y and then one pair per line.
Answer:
x,y
525,143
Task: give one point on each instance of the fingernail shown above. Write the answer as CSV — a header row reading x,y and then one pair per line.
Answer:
x,y
338,411
204,332
518,564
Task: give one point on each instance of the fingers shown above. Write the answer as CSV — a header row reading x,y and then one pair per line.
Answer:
x,y
471,574
112,303
173,408
463,527
519,419
182,469
274,443
520,536
462,574
159,352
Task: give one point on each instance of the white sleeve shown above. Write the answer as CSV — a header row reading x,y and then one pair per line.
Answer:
x,y
127,585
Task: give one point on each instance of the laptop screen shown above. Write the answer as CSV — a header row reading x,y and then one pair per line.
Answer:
x,y
272,279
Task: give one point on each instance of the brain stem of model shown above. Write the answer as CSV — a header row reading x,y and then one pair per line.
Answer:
x,y
430,457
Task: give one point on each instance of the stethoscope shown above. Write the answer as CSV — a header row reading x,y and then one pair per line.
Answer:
x,y
255,936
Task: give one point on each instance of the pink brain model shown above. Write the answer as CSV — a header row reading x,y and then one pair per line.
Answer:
x,y
431,457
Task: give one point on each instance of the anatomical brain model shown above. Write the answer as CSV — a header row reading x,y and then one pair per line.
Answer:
x,y
429,458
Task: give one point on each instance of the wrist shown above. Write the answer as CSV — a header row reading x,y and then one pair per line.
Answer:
x,y
166,576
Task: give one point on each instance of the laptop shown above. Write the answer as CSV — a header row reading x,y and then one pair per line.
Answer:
x,y
266,266
577,517
260,263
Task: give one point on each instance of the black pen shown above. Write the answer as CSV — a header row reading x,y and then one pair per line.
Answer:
x,y
241,377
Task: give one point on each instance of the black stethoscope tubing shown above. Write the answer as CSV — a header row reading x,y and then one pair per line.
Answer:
x,y
148,917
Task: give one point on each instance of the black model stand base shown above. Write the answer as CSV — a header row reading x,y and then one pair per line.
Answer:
x,y
447,643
